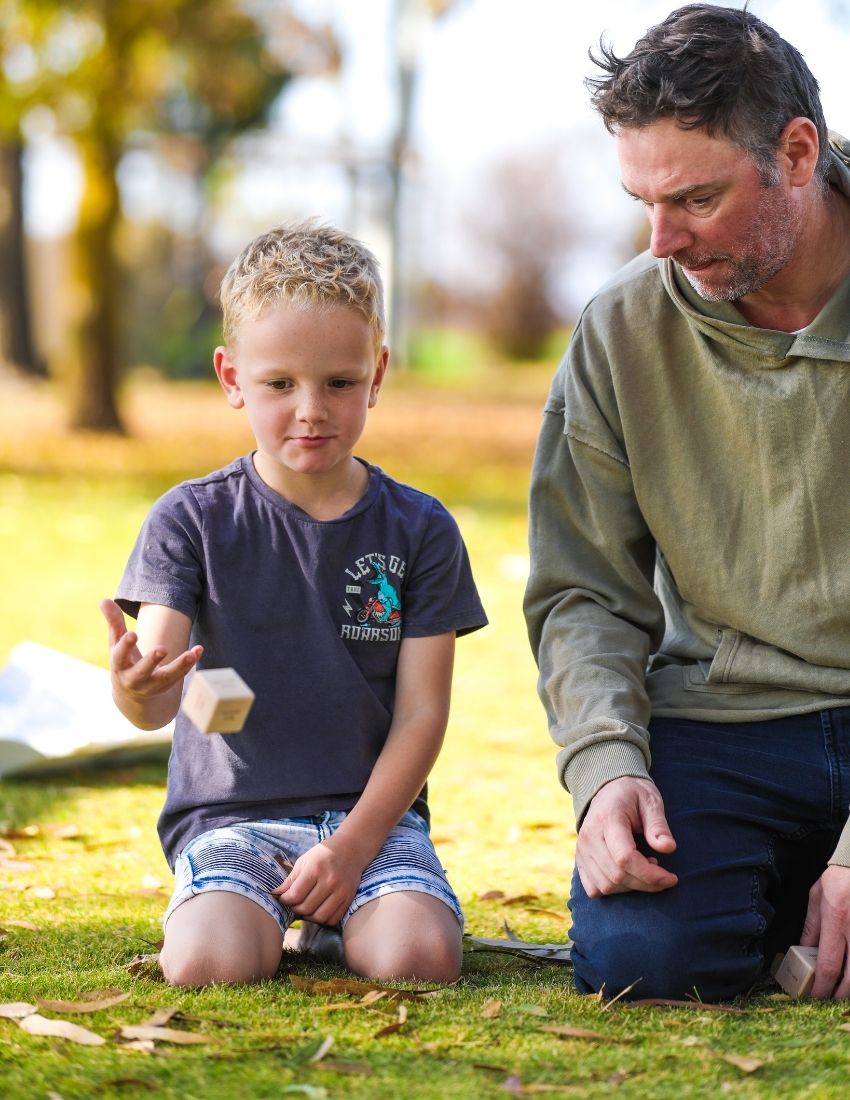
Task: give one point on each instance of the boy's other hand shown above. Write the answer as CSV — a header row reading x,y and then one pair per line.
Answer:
x,y
321,884
141,676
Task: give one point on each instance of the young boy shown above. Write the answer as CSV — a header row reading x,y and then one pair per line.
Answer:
x,y
336,593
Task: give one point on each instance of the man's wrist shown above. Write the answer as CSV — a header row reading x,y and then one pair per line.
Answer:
x,y
841,856
597,764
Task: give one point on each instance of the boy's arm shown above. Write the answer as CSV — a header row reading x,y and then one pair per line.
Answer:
x,y
148,665
324,880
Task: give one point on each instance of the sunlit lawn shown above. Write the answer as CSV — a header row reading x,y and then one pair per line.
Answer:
x,y
69,511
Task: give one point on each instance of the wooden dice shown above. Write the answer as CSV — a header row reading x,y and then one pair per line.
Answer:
x,y
218,700
796,972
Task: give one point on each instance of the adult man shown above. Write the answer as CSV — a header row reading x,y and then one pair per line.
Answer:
x,y
690,529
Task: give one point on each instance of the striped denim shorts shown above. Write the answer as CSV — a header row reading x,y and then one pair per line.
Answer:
x,y
240,859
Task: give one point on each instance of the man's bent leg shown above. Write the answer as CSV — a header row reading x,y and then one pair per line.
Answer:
x,y
743,801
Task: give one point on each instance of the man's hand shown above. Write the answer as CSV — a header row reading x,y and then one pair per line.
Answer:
x,y
607,857
827,927
321,884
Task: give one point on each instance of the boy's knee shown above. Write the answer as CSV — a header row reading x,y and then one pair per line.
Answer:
x,y
427,961
200,968
410,936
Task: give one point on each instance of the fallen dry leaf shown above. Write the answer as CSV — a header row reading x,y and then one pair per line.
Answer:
x,y
46,893
519,899
25,924
142,964
564,1032
743,1062
372,997
15,1010
143,1046
515,1087
545,952
18,866
391,1029
162,1017
62,1029
165,1035
492,895
354,986
548,913
93,1005
491,1009
22,832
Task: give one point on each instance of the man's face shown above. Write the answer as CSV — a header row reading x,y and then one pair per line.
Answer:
x,y
709,208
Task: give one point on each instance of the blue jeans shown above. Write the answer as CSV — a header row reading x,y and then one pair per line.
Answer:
x,y
756,809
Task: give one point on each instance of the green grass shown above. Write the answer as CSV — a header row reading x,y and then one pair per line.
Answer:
x,y
69,510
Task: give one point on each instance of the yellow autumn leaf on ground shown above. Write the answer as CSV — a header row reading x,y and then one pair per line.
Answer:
x,y
85,1005
14,1010
575,1033
354,986
165,1035
62,1029
743,1062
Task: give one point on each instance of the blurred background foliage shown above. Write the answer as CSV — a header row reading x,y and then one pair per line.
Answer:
x,y
189,85
172,119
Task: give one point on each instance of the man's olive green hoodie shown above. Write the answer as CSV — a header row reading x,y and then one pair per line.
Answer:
x,y
690,520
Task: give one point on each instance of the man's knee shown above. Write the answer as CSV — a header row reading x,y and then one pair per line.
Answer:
x,y
658,957
636,963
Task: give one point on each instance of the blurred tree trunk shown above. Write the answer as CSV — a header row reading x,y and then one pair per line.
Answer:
x,y
16,345
94,353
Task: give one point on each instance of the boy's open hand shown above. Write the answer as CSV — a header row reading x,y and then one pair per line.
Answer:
x,y
137,677
321,884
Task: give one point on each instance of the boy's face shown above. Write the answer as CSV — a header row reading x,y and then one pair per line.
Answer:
x,y
306,376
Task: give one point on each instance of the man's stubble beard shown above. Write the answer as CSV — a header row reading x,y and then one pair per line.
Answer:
x,y
764,249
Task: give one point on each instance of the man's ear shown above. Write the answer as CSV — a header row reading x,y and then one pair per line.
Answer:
x,y
226,373
380,373
799,146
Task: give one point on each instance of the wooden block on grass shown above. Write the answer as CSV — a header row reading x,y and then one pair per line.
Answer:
x,y
218,700
796,973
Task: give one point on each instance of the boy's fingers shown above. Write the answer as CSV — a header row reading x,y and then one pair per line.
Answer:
x,y
122,650
140,670
115,620
178,668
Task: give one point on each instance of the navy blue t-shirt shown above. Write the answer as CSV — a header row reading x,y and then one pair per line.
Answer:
x,y
311,614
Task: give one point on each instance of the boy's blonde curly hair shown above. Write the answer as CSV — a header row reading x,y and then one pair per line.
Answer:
x,y
306,263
